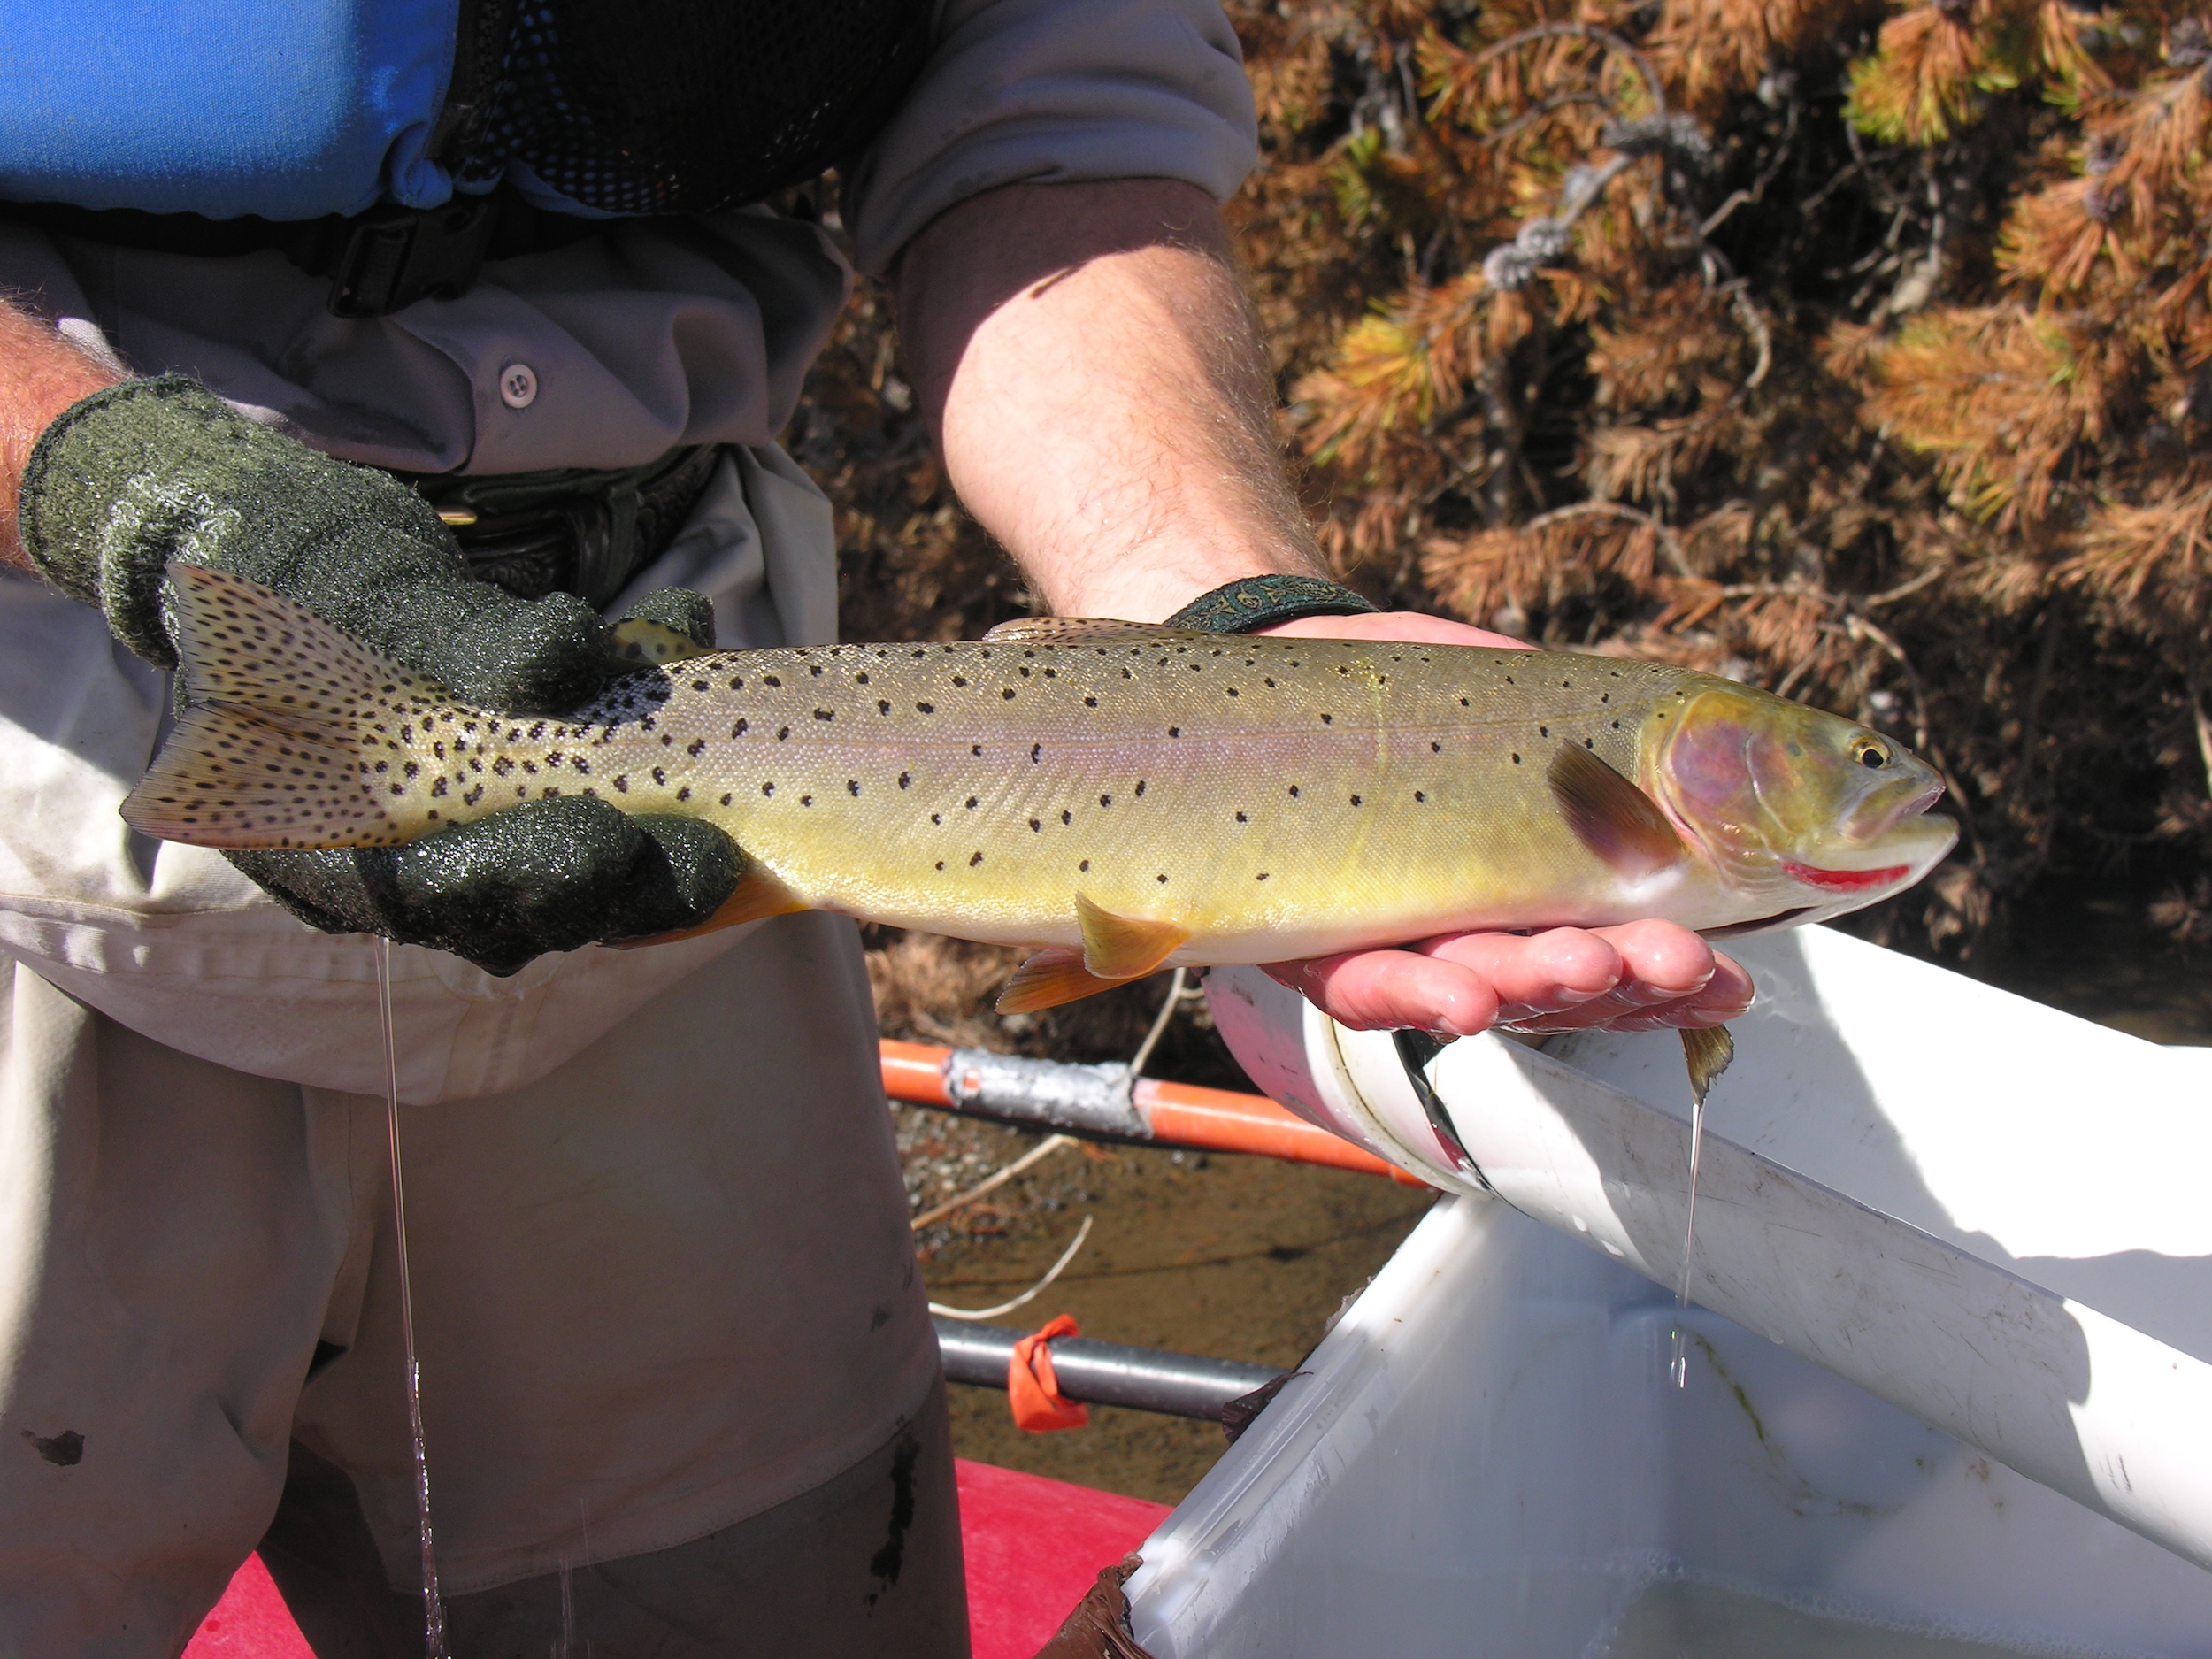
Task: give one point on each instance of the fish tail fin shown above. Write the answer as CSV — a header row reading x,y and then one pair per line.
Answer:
x,y
271,751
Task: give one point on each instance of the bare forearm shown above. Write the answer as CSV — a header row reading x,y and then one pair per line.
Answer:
x,y
1089,366
41,374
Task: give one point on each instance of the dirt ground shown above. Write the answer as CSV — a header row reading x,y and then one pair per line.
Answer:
x,y
1239,1258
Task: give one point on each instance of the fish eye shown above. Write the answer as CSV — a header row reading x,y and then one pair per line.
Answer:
x,y
1870,753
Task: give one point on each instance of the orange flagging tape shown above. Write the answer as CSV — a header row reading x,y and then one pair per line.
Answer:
x,y
1031,1387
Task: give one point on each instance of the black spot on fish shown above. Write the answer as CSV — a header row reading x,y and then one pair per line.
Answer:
x,y
1419,795
1355,800
1293,792
1036,750
1175,730
825,714
925,708
906,780
769,679
806,800
1328,719
736,683
1140,786
959,680
1037,823
852,786
725,800
1085,864
883,705
768,788
695,748
816,671
975,860
1105,800
1261,877
683,794
1007,693
659,775
972,804
783,734
621,784
1242,819
1067,817
940,862
1517,760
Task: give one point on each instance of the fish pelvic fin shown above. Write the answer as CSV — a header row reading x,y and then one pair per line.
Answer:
x,y
1074,630
1124,947
1611,815
1708,1050
1050,979
269,751
757,896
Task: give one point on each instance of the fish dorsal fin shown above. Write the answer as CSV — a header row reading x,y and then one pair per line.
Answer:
x,y
642,644
1708,1050
1082,630
1050,979
1614,818
1124,947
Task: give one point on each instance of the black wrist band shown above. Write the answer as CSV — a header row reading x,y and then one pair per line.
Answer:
x,y
1260,601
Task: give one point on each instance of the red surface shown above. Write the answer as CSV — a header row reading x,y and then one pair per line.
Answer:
x,y
250,1622
1034,1547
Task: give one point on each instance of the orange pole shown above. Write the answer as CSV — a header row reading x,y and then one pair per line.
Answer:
x,y
915,1072
1181,1114
1220,1121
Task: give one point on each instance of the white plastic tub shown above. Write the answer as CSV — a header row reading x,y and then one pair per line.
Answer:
x,y
1488,1460
1925,1201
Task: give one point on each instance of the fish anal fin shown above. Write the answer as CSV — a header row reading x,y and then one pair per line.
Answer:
x,y
1708,1050
1072,630
1611,815
758,897
1124,947
1050,979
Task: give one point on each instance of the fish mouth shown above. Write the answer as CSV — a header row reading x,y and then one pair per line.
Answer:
x,y
1890,816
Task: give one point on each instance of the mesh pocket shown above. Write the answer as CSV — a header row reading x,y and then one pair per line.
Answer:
x,y
688,107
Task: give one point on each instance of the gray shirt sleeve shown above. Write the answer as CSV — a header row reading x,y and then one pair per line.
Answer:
x,y
1056,92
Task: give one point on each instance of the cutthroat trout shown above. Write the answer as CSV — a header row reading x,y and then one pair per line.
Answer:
x,y
1121,797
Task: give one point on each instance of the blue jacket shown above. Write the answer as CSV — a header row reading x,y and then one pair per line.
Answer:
x,y
288,109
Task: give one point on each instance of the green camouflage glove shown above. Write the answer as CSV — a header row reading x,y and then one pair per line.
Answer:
x,y
149,471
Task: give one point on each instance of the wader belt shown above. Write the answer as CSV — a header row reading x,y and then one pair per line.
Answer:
x,y
577,530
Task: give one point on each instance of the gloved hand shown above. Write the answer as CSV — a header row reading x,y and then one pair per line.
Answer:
x,y
149,471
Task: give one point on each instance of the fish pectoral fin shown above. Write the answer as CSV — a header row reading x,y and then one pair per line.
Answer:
x,y
1611,815
757,896
643,644
1708,1050
1124,947
1068,630
1050,979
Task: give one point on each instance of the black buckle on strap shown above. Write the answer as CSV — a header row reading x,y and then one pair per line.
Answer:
x,y
392,256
